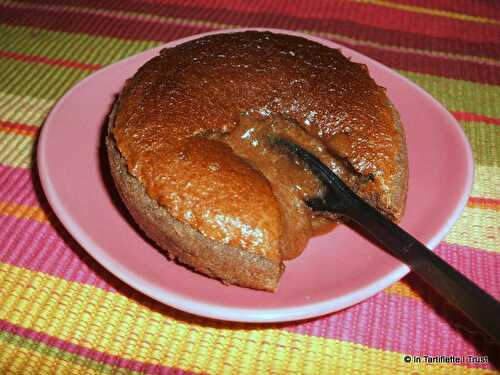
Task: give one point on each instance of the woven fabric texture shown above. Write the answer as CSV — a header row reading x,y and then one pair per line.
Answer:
x,y
61,312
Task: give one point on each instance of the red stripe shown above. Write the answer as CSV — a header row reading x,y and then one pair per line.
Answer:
x,y
16,186
21,128
387,18
92,354
467,116
474,8
485,201
48,61
483,267
304,20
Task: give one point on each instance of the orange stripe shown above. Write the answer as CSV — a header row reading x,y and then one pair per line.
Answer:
x,y
21,211
402,289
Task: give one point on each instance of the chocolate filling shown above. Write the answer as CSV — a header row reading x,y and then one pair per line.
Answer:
x,y
292,182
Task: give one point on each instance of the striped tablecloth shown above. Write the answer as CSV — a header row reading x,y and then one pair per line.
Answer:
x,y
60,312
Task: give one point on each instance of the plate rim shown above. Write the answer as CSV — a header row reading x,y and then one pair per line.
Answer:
x,y
215,311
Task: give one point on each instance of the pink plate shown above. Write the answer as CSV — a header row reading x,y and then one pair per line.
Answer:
x,y
337,270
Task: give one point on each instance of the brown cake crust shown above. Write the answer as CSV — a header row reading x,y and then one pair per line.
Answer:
x,y
185,244
161,142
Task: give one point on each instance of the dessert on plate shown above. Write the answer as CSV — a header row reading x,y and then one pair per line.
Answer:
x,y
191,151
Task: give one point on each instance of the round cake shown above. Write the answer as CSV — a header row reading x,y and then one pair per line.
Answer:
x,y
191,151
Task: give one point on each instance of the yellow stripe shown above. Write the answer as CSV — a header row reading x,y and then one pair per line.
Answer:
x,y
220,25
24,109
485,183
115,324
477,227
16,150
21,211
431,11
15,360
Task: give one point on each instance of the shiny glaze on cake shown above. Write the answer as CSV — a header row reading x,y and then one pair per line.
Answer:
x,y
177,114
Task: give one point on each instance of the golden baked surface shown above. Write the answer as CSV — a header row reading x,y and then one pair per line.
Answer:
x,y
176,116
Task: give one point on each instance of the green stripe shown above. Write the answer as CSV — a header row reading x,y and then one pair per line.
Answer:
x,y
458,95
485,142
37,80
49,351
78,47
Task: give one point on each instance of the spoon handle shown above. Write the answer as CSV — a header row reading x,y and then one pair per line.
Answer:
x,y
481,308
